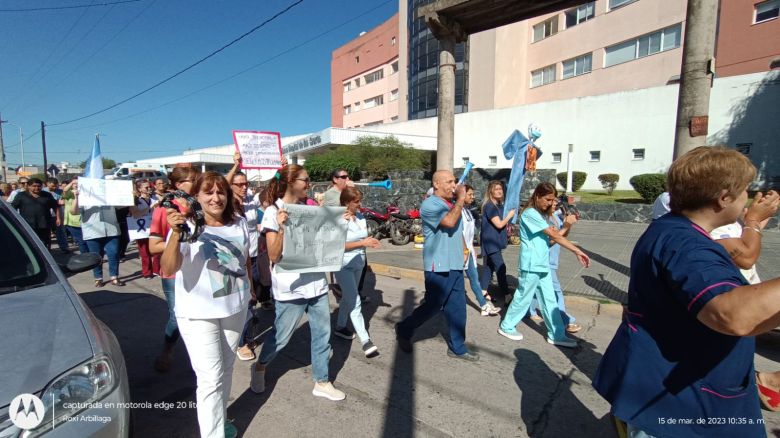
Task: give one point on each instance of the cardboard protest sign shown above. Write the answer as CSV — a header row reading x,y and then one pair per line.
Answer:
x,y
101,192
314,239
259,150
138,227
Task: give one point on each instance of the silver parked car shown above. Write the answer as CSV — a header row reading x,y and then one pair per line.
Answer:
x,y
62,372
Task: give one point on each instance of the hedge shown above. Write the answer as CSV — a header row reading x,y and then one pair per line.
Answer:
x,y
649,185
578,179
609,181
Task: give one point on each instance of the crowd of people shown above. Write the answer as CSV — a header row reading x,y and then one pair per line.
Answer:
x,y
685,344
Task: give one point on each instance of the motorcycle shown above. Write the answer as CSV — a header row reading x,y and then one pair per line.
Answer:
x,y
398,226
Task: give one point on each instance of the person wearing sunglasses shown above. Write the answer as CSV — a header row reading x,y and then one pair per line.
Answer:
x,y
21,187
340,180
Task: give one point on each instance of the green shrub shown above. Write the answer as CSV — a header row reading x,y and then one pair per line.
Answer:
x,y
578,179
649,185
609,181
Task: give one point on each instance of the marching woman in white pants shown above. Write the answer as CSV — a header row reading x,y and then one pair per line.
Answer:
x,y
212,291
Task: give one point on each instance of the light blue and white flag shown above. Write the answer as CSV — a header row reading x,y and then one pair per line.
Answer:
x,y
94,166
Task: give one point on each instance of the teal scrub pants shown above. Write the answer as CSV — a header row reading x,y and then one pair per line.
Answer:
x,y
539,283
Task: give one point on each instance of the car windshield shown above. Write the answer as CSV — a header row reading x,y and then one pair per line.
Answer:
x,y
21,266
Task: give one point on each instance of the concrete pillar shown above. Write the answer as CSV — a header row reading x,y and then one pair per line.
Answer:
x,y
445,144
696,76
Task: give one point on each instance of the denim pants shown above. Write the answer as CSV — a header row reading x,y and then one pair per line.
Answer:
x,y
212,344
494,263
110,247
472,274
532,283
62,238
348,278
288,315
77,236
567,319
171,327
444,291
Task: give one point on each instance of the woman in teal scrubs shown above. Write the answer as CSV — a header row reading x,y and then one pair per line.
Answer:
x,y
536,233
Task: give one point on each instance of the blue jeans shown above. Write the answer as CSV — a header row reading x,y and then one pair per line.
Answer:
x,y
288,315
494,263
171,327
444,291
77,236
348,278
567,319
471,273
62,238
110,247
532,283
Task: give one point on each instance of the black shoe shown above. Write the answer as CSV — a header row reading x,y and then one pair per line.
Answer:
x,y
369,349
405,344
469,356
344,333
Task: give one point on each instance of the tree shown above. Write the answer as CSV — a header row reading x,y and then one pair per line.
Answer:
x,y
108,163
372,155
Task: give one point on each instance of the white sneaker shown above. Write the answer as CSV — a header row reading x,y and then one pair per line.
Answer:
x,y
490,310
565,342
515,336
327,390
258,380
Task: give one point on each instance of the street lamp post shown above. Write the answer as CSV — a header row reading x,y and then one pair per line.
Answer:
x,y
21,139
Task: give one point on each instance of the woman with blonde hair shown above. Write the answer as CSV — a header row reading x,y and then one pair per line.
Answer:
x,y
493,238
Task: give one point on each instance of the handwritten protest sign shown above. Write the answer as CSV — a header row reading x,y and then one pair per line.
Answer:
x,y
101,192
259,150
314,239
138,227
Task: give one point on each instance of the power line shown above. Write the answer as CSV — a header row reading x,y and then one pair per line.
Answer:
x,y
57,8
277,15
259,64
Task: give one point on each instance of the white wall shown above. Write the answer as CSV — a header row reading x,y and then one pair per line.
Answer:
x,y
613,124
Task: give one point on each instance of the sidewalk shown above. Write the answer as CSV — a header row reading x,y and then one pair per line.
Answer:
x,y
609,245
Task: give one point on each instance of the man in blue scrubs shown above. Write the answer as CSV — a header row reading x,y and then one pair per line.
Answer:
x,y
681,362
443,261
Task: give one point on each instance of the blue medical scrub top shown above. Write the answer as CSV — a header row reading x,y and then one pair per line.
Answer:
x,y
443,249
492,240
664,371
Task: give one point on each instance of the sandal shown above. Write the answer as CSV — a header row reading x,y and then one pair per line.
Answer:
x,y
117,282
770,399
573,328
487,296
99,282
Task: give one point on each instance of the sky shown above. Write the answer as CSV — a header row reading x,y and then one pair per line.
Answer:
x,y
64,64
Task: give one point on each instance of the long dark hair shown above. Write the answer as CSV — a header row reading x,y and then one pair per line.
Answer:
x,y
543,189
179,174
278,185
206,181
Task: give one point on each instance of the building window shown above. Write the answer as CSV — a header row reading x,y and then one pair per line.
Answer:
x,y
347,86
347,109
580,14
356,107
357,82
546,28
556,157
639,154
374,101
577,66
378,122
357,60
374,76
618,3
744,148
394,68
493,160
392,41
543,76
767,10
394,119
394,95
661,41
595,156
465,161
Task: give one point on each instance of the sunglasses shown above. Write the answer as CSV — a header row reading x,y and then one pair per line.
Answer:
x,y
241,184
342,176
306,180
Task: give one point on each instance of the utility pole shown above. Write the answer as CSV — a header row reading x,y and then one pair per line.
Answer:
x,y
2,151
43,140
696,75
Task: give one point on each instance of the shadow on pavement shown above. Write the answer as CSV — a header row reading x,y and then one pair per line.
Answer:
x,y
606,288
400,414
619,267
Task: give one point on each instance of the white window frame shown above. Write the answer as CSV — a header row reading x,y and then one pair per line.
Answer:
x,y
638,154
580,14
640,40
548,75
549,28
594,156
773,4
614,4
394,68
394,95
373,102
557,157
374,76
347,109
578,62
493,160
347,86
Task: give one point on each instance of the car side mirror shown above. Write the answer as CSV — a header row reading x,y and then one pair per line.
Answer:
x,y
83,262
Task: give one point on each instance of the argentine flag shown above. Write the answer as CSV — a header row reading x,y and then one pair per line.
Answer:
x,y
94,165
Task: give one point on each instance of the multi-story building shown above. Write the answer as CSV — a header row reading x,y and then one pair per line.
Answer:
x,y
365,78
748,37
